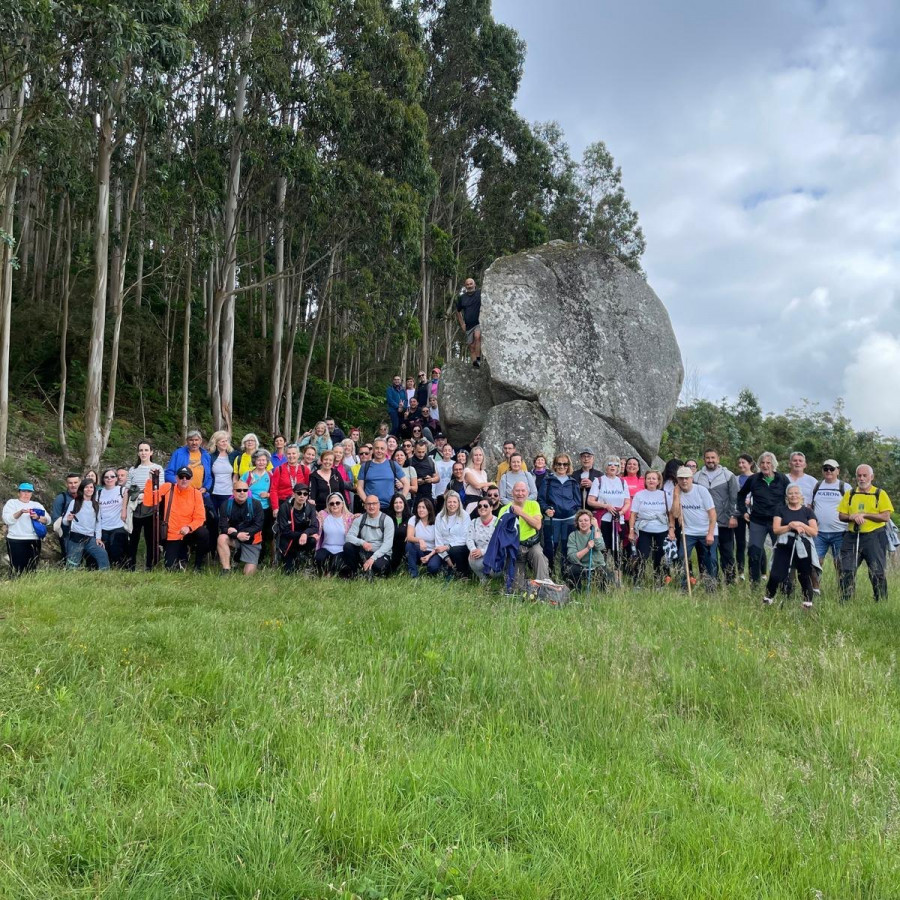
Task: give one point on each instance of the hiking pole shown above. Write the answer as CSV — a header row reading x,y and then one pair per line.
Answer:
x,y
787,577
687,562
154,483
616,547
590,561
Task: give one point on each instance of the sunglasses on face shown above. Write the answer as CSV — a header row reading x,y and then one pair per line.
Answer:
x,y
241,490
484,505
335,503
302,493
827,468
183,477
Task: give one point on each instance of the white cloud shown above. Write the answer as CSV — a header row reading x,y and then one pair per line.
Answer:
x,y
759,142
870,383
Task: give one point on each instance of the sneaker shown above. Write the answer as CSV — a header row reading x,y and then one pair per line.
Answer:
x,y
767,601
667,579
816,591
225,571
693,581
477,363
807,604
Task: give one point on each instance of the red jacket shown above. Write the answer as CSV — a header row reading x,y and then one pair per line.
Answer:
x,y
283,480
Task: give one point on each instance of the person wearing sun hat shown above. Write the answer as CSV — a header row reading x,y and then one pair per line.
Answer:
x,y
26,522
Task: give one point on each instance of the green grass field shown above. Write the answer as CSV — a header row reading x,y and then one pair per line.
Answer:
x,y
174,736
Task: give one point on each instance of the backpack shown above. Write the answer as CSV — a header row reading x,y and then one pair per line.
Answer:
x,y
842,485
382,518
891,532
398,472
229,505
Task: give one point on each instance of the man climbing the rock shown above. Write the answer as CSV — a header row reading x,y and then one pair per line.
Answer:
x,y
468,312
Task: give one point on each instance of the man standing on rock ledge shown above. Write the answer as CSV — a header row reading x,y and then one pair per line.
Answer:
x,y
468,311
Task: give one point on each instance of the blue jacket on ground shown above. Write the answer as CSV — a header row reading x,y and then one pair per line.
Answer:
x,y
182,457
564,498
503,549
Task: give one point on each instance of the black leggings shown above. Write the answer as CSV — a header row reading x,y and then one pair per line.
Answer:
x,y
459,556
781,570
649,546
327,562
23,555
143,525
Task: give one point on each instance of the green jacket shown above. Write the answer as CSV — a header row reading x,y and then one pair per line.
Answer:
x,y
578,541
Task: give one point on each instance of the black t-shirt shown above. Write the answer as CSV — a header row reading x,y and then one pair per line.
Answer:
x,y
422,467
788,515
470,306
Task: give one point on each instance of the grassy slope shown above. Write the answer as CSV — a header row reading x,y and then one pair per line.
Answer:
x,y
191,737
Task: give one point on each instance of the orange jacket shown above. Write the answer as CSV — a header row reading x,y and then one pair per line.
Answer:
x,y
187,508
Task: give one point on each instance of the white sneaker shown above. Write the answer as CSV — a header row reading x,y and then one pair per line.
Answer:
x,y
816,591
807,604
768,601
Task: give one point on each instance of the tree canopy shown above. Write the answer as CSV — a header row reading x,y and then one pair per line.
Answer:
x,y
213,206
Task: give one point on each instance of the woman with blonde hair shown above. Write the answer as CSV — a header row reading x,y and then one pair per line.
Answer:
x,y
243,461
317,437
222,457
451,531
475,477
334,523
560,499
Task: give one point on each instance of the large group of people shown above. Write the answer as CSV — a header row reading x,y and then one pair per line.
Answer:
x,y
336,505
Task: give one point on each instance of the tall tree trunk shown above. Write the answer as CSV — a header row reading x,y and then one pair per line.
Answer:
x,y
186,345
117,286
12,102
263,287
66,285
423,277
326,292
93,437
225,298
278,312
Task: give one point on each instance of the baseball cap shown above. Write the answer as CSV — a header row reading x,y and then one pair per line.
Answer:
x,y
684,472
831,462
588,451
185,472
26,486
301,488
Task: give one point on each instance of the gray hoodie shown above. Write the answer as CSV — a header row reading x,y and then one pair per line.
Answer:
x,y
723,488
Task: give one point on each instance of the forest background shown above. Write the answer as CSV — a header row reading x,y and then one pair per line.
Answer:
x,y
242,212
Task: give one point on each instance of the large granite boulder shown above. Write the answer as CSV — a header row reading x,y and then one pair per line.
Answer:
x,y
584,341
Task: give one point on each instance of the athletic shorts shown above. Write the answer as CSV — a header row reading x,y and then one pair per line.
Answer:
x,y
247,553
472,334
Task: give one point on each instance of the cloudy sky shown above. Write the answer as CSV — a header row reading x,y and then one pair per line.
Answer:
x,y
760,144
